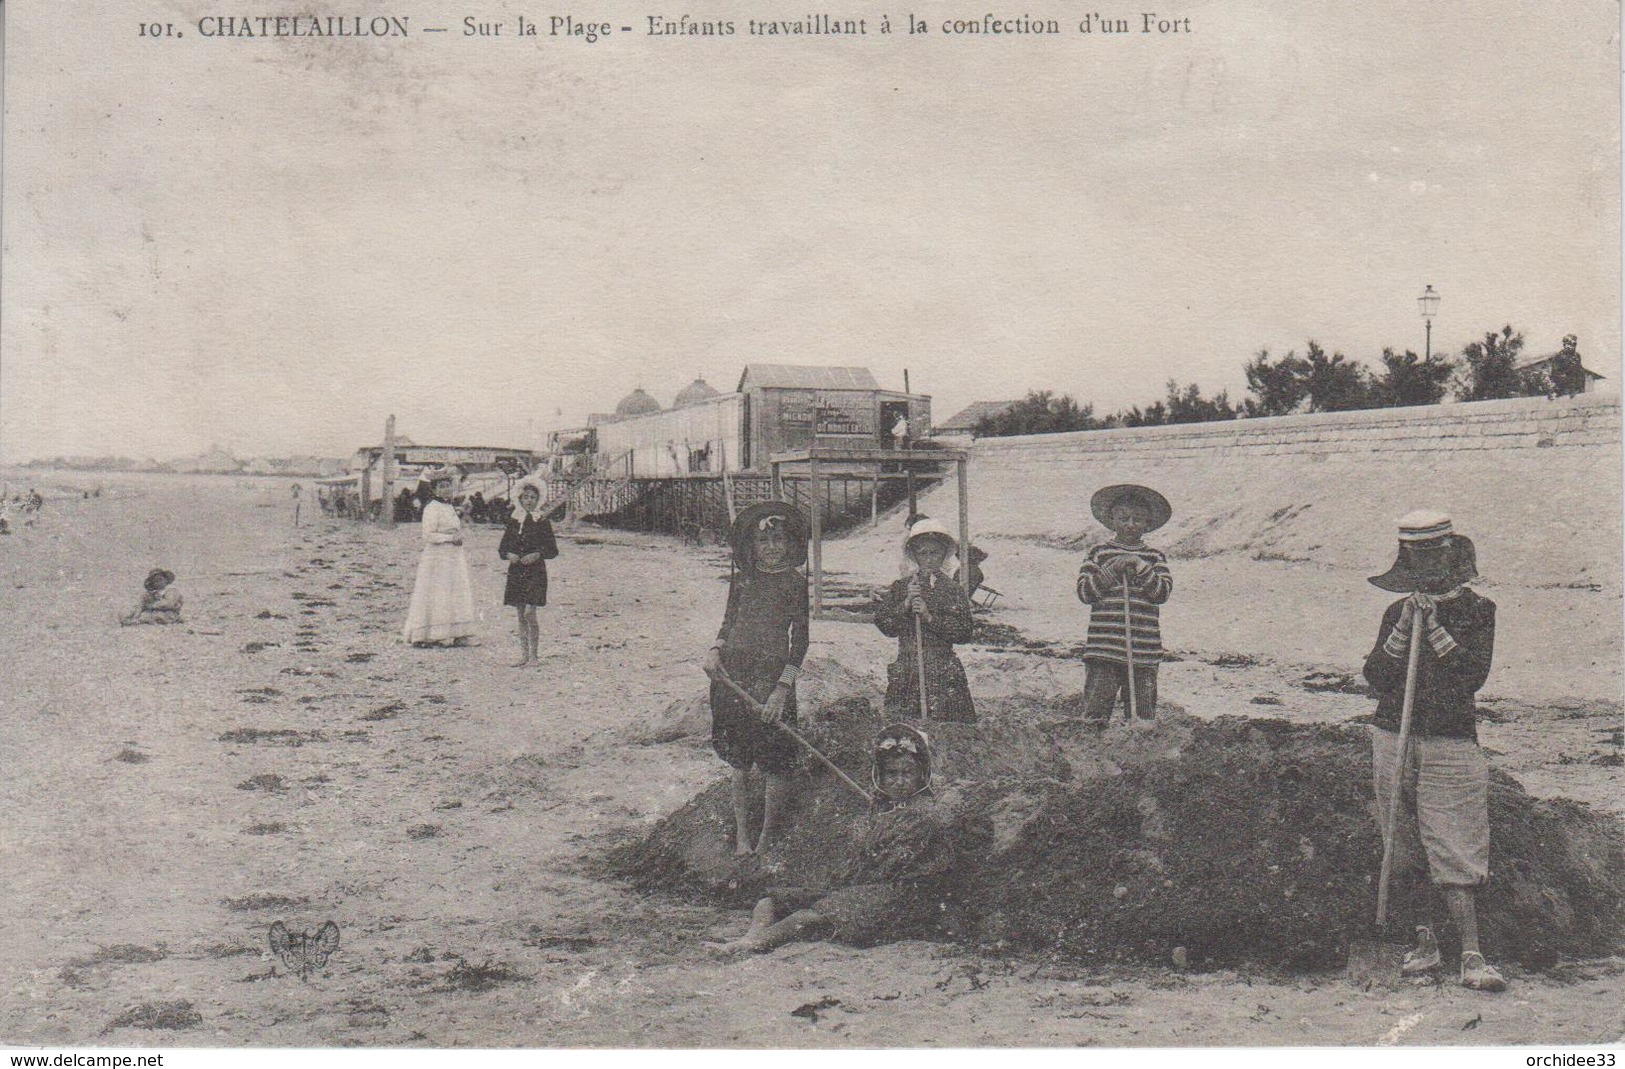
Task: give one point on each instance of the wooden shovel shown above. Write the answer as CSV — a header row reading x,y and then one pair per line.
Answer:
x,y
756,707
1377,960
1128,656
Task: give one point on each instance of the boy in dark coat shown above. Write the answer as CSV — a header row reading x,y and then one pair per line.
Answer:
x,y
527,545
1124,581
944,615
1443,826
760,648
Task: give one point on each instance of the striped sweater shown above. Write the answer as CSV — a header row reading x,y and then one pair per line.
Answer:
x,y
1147,590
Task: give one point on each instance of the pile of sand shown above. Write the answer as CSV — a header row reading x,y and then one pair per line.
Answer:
x,y
1239,840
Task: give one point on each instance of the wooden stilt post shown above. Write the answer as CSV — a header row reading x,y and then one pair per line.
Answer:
x,y
387,512
366,490
815,499
964,525
874,499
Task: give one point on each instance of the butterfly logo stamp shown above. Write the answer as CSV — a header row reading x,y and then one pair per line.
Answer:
x,y
302,952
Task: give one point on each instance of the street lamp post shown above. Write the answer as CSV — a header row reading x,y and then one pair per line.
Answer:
x,y
1429,302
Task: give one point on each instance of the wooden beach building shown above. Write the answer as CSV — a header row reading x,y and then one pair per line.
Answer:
x,y
689,468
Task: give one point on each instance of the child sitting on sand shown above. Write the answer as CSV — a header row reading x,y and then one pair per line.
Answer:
x,y
893,887
1123,581
933,606
159,604
759,649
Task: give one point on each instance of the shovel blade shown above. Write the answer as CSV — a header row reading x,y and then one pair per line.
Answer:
x,y
1374,964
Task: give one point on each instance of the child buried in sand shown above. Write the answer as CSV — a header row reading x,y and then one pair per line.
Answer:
x,y
159,604
892,885
760,648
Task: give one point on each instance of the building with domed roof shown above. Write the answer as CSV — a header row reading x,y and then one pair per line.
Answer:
x,y
776,408
695,392
636,403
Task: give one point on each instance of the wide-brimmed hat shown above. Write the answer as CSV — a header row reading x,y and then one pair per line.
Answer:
x,y
906,739
1109,497
761,516
158,573
929,528
1432,556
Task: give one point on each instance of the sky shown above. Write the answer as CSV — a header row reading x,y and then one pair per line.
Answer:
x,y
272,245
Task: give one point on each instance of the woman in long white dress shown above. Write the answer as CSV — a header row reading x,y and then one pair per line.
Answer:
x,y
442,609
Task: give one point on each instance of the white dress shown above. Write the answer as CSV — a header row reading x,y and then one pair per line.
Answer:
x,y
443,598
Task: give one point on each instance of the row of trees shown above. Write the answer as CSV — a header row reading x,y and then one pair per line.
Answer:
x,y
1313,382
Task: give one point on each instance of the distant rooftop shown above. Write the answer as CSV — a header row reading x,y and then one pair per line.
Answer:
x,y
975,412
797,376
1542,361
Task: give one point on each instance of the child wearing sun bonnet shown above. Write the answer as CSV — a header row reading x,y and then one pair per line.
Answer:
x,y
934,601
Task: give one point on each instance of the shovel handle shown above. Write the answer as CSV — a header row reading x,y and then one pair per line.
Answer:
x,y
1391,822
1128,655
756,707
919,669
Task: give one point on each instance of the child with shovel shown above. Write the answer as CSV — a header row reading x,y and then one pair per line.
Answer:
x,y
1124,581
927,613
760,649
1432,655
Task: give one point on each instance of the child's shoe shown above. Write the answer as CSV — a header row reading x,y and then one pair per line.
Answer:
x,y
1480,975
1424,956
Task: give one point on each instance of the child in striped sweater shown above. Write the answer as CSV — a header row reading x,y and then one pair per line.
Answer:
x,y
1123,581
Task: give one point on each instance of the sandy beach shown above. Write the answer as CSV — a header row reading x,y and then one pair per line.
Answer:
x,y
282,755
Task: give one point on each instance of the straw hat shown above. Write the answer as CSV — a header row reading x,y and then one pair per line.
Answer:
x,y
1109,497
1432,558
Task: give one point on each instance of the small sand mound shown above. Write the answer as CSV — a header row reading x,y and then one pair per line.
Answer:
x,y
1239,840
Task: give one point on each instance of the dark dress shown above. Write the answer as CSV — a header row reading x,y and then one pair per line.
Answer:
x,y
527,583
947,693
764,631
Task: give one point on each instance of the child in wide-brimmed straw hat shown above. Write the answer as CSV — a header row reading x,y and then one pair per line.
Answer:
x,y
944,614
759,648
1442,830
1124,581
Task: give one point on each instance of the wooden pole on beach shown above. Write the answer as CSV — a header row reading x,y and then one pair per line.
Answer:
x,y
964,525
815,500
387,512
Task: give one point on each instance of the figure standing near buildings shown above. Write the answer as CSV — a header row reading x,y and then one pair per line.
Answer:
x,y
1568,374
